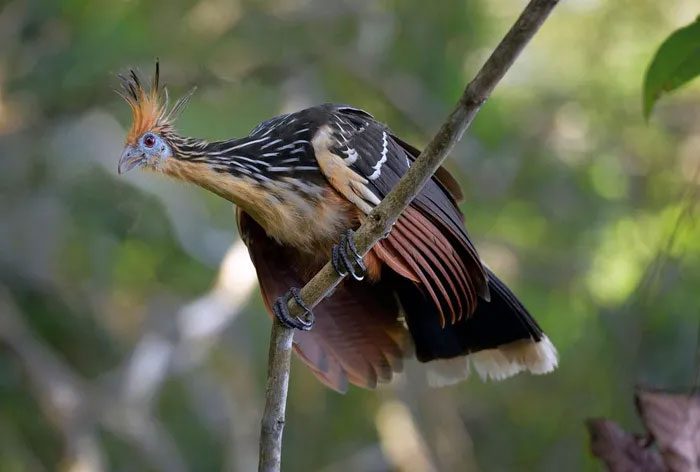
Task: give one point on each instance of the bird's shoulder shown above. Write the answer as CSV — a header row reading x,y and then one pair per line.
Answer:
x,y
341,119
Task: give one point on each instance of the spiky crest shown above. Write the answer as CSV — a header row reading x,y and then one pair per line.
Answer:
x,y
149,108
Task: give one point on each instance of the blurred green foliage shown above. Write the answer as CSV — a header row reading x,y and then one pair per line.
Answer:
x,y
585,209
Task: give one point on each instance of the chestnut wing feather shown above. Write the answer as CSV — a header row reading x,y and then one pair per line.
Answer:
x,y
357,337
429,242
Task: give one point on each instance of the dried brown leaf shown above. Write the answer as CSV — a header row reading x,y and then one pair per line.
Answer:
x,y
620,450
674,422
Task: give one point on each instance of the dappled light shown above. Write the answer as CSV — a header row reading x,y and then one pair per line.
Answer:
x,y
133,335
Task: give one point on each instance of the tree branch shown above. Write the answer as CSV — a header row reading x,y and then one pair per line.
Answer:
x,y
272,424
381,219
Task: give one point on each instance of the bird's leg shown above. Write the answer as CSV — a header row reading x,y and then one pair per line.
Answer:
x,y
281,311
346,259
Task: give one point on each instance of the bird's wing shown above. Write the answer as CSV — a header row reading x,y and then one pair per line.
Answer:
x,y
356,338
429,244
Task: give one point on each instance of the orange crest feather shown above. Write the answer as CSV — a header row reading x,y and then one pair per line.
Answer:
x,y
149,108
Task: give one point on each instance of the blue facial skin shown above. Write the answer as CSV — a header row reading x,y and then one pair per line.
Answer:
x,y
150,151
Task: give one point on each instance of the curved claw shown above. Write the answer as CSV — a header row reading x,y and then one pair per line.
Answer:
x,y
358,274
350,241
347,263
336,261
281,311
341,261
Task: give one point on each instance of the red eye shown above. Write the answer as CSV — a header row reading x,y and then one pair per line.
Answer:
x,y
149,140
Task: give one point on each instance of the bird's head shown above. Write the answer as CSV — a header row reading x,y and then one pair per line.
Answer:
x,y
153,144
150,140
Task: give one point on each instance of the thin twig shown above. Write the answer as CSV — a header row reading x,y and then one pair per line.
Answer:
x,y
382,218
272,425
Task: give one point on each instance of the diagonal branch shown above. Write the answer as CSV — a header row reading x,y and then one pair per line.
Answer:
x,y
382,218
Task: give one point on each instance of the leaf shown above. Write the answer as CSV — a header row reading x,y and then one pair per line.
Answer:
x,y
674,422
620,450
675,63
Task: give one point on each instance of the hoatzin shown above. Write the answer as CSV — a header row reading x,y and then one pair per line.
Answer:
x,y
301,183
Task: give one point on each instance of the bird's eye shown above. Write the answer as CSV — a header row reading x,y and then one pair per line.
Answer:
x,y
149,140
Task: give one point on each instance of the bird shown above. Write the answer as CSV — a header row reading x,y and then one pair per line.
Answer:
x,y
301,183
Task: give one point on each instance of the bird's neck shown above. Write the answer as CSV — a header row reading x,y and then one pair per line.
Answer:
x,y
199,150
187,148
238,157
248,172
227,168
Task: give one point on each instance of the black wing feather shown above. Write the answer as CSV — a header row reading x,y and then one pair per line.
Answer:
x,y
383,159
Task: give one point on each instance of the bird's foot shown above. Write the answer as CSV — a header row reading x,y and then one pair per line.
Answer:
x,y
346,259
281,310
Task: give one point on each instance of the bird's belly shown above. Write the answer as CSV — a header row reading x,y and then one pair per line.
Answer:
x,y
310,225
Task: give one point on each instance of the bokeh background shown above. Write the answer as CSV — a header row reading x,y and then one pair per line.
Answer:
x,y
132,334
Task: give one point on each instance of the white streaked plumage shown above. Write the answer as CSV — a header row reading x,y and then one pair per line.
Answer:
x,y
239,146
249,160
378,166
290,169
340,127
352,156
271,143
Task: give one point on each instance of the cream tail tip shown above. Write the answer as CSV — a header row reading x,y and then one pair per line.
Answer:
x,y
445,372
496,364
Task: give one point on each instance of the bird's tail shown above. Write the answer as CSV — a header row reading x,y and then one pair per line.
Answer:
x,y
499,339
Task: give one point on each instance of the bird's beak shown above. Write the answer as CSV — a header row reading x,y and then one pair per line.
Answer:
x,y
130,159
